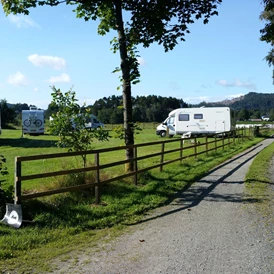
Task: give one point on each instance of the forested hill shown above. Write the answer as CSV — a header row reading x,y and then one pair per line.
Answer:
x,y
150,108
263,102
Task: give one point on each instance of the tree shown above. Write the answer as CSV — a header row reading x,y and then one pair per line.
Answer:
x,y
267,33
52,109
69,123
161,21
7,113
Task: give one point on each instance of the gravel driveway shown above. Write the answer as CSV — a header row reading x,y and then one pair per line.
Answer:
x,y
211,228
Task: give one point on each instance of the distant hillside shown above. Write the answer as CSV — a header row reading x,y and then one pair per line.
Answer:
x,y
250,101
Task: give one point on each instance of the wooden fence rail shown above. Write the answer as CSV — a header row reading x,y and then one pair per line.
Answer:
x,y
191,149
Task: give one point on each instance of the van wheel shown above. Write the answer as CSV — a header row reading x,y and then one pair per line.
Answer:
x,y
162,133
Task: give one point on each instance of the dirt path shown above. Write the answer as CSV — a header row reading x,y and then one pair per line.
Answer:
x,y
211,228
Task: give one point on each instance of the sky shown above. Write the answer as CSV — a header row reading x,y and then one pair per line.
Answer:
x,y
223,59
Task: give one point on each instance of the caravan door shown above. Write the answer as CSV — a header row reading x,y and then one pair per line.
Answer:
x,y
171,125
219,126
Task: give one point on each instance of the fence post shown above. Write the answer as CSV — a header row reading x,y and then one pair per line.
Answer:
x,y
228,138
135,165
181,149
162,156
97,178
206,139
234,133
223,141
17,182
195,147
215,144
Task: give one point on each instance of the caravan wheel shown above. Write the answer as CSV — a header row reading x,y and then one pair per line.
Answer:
x,y
162,133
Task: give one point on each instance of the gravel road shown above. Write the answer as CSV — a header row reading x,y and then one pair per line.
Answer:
x,y
211,228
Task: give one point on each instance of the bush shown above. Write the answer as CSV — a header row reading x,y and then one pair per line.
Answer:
x,y
5,195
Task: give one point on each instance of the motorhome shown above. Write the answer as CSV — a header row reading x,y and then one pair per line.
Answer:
x,y
197,121
33,121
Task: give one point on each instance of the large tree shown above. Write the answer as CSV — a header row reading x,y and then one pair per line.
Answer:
x,y
148,21
267,33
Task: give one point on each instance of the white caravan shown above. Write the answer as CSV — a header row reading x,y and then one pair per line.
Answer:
x,y
197,121
33,121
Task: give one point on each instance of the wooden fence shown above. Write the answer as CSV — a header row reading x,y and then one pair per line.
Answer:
x,y
190,147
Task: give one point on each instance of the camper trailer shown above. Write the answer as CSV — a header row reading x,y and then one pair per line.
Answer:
x,y
197,121
33,121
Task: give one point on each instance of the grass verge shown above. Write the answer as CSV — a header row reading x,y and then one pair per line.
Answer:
x,y
259,183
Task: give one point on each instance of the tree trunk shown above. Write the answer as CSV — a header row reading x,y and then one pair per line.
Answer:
x,y
127,104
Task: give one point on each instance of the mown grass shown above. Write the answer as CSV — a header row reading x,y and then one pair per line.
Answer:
x,y
58,224
259,183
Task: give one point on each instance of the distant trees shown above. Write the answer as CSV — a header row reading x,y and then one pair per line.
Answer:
x,y
7,114
150,108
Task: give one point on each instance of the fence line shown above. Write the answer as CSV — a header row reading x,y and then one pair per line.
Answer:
x,y
193,147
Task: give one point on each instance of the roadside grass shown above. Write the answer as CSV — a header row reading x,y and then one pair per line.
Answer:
x,y
59,224
259,183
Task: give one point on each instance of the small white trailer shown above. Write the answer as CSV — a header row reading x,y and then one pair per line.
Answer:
x,y
197,121
33,121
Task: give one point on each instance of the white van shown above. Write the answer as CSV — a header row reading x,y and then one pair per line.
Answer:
x,y
33,121
198,121
93,123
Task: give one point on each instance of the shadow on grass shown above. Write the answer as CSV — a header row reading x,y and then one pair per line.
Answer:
x,y
27,143
251,181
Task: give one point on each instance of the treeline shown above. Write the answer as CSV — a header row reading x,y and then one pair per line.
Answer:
x,y
150,108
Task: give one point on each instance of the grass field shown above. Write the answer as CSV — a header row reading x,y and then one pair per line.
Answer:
x,y
59,223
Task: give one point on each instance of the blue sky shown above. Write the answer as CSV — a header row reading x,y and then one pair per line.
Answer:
x,y
221,60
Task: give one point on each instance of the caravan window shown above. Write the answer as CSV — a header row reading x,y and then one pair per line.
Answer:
x,y
198,116
170,120
183,117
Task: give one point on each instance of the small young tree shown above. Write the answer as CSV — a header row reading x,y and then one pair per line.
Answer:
x,y
69,123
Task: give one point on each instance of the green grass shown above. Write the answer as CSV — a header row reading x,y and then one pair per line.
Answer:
x,y
259,183
58,223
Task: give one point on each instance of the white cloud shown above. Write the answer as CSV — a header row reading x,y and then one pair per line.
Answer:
x,y
237,83
62,78
35,89
18,79
22,21
54,62
141,61
196,100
